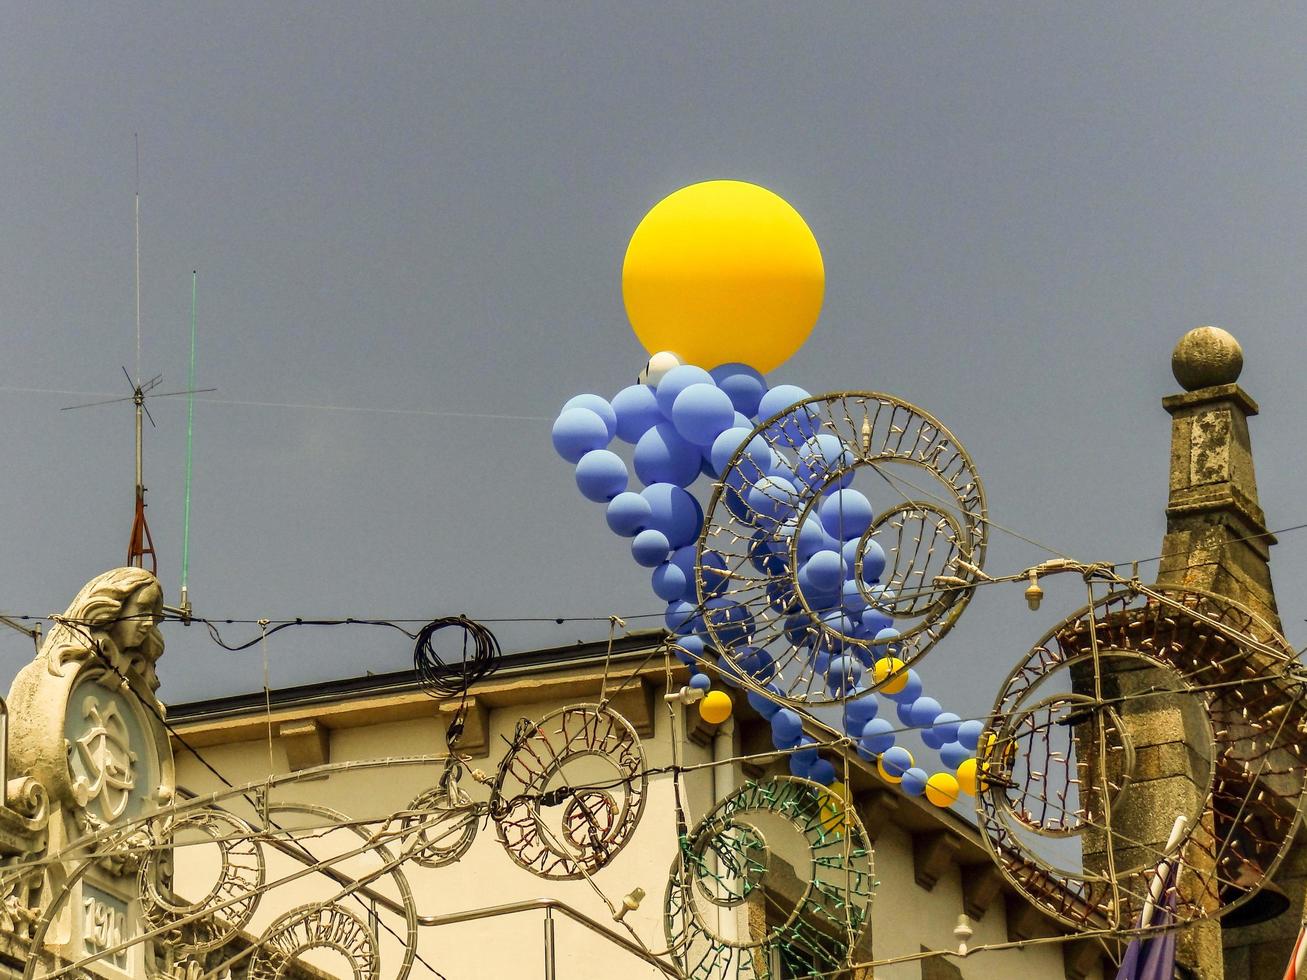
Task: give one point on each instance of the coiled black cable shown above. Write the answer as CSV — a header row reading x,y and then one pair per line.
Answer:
x,y
449,677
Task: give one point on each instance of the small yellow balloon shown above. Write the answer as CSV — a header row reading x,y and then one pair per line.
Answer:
x,y
890,777
967,777
942,789
715,707
835,807
723,271
886,666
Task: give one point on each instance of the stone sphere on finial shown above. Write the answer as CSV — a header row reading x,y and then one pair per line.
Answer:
x,y
1206,356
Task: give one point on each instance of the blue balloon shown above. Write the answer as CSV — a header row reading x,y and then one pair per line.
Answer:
x,y
799,629
857,713
843,675
599,406
853,603
914,781
662,456
925,711
683,617
911,690
761,667
825,571
813,538
799,425
822,771
762,704
873,562
816,598
650,548
782,597
670,583
628,514
676,381
930,739
700,682
786,727
953,754
689,650
772,499
874,620
819,459
729,621
969,733
946,726
715,576
887,642
877,736
904,711
845,514
701,413
756,460
577,431
725,445
685,657
807,753
636,411
743,384
838,629
764,556
778,399
675,512
601,475
896,760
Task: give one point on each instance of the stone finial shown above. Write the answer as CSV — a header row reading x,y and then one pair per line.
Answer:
x,y
1205,357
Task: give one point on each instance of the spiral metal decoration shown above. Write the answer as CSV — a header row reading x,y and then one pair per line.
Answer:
x,y
444,825
1179,688
932,530
775,882
570,792
236,890
471,657
331,927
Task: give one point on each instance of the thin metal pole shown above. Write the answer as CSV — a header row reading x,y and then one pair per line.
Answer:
x,y
550,973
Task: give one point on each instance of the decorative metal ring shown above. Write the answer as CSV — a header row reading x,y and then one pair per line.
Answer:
x,y
445,827
1180,687
330,926
570,792
779,872
241,871
933,530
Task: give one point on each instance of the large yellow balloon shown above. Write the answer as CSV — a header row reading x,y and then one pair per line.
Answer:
x,y
723,271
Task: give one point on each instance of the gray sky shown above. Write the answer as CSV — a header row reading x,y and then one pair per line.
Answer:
x,y
421,209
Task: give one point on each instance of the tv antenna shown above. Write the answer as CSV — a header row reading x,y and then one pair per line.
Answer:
x,y
141,542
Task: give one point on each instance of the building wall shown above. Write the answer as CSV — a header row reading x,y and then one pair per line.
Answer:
x,y
905,918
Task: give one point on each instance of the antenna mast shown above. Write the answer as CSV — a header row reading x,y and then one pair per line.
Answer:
x,y
141,543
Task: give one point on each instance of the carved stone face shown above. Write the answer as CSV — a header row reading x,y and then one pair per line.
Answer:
x,y
139,614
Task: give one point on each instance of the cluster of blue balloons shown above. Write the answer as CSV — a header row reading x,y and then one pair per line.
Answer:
x,y
945,733
685,426
955,740
689,424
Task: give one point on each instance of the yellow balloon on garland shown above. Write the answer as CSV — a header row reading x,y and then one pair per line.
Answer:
x,y
835,807
888,776
942,789
967,777
886,666
715,707
721,272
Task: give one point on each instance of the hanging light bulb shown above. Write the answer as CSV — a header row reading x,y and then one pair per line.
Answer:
x,y
1034,594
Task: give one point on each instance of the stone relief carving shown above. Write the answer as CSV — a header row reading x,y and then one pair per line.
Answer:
x,y
83,713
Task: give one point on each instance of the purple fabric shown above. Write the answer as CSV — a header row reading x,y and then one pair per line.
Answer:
x,y
1153,957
